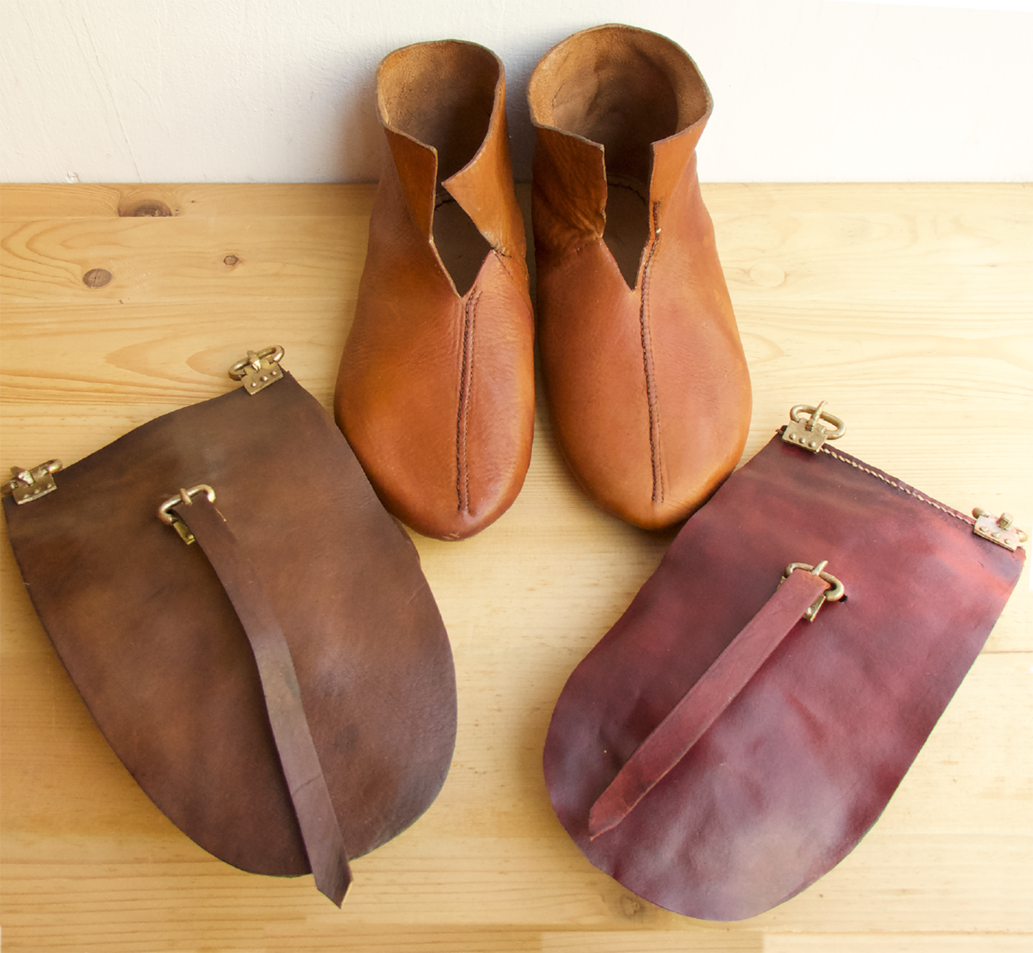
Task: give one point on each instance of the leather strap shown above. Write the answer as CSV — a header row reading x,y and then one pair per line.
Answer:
x,y
697,710
317,819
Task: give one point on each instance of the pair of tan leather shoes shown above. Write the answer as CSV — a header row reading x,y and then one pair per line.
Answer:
x,y
644,371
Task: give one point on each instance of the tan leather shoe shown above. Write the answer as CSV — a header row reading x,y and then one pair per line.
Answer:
x,y
644,371
436,386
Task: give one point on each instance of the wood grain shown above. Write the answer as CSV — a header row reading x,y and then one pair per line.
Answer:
x,y
910,308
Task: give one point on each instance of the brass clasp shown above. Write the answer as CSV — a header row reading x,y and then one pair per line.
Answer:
x,y
809,433
29,485
834,593
167,516
259,369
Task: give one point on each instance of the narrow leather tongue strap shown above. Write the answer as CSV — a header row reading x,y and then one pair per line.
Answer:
x,y
311,797
671,740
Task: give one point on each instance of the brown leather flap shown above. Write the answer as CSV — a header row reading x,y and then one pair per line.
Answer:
x,y
151,640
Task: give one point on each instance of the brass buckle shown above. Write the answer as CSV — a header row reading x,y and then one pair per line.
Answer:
x,y
809,433
29,485
167,516
834,593
259,369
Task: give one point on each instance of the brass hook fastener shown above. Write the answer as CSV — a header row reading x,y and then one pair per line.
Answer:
x,y
998,529
259,369
808,432
29,485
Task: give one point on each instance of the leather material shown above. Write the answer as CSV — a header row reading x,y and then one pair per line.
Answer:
x,y
644,370
801,762
152,642
436,384
701,705
298,757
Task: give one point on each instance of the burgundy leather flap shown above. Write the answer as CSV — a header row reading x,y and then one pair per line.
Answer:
x,y
801,763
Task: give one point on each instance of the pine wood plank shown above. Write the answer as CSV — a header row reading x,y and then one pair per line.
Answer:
x,y
898,943
908,307
32,202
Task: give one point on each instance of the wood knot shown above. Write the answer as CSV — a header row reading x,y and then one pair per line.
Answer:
x,y
626,906
231,260
767,274
632,907
96,278
145,208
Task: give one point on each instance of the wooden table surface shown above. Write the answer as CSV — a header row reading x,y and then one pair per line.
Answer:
x,y
909,308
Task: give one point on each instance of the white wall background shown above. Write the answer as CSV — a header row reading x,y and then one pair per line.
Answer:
x,y
282,90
